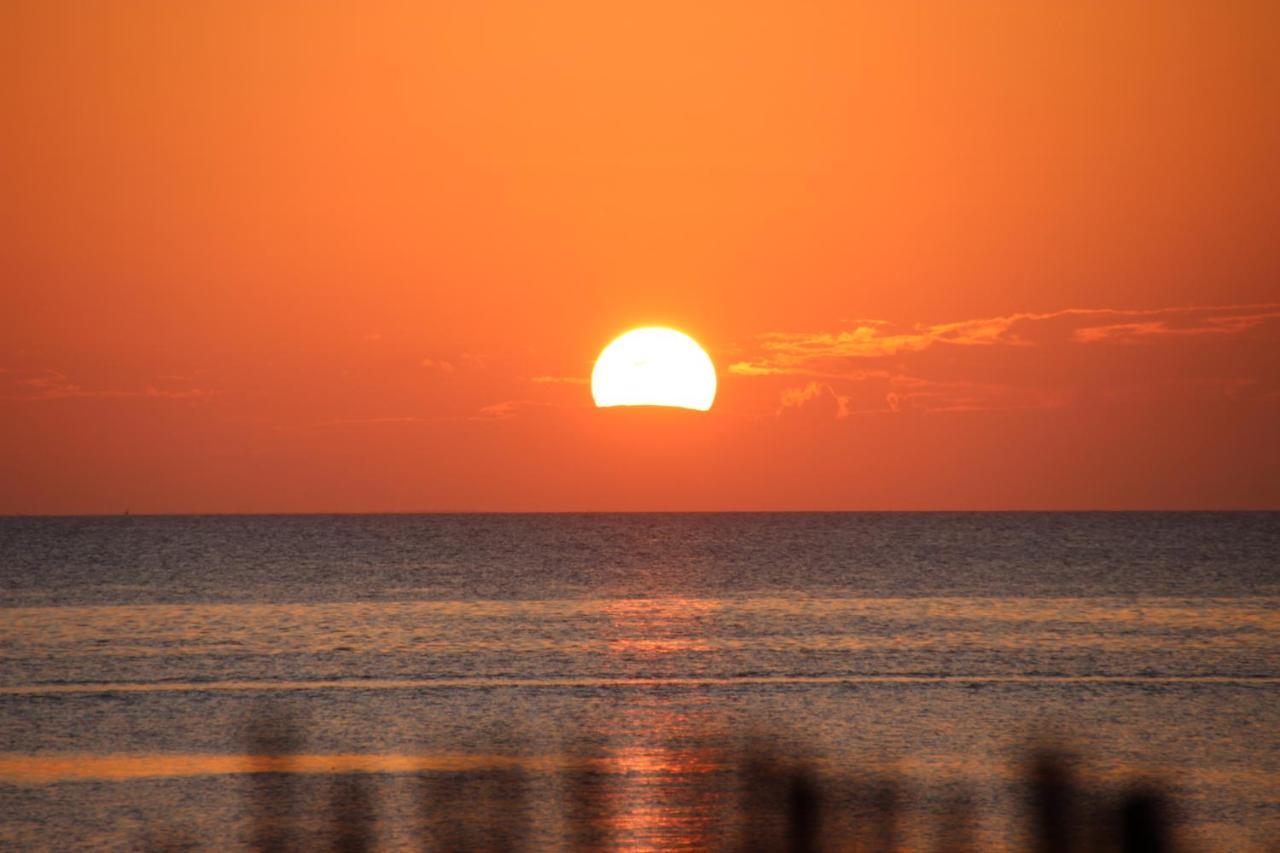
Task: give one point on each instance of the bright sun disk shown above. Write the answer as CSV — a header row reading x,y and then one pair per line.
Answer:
x,y
654,366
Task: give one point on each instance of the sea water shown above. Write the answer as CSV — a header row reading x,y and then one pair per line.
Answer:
x,y
542,673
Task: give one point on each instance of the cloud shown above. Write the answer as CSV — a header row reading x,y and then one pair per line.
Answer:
x,y
798,352
51,384
1182,323
438,364
508,409
403,419
915,394
502,411
827,354
559,380
1023,361
816,400
889,393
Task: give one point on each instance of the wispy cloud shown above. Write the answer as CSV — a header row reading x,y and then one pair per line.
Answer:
x,y
505,410
1052,358
1183,323
404,419
814,400
828,354
502,411
909,393
51,384
559,380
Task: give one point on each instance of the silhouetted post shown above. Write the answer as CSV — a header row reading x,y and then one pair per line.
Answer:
x,y
588,808
802,813
272,743
351,814
1052,805
477,810
1144,822
885,802
956,831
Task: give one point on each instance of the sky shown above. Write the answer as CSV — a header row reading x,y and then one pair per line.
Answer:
x,y
314,257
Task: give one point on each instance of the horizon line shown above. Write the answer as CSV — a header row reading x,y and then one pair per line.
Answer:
x,y
414,512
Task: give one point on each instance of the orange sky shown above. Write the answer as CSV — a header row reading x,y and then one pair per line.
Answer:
x,y
320,256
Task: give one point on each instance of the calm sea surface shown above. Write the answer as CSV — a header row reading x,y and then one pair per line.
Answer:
x,y
149,664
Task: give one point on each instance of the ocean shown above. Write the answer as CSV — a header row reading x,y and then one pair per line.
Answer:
x,y
601,680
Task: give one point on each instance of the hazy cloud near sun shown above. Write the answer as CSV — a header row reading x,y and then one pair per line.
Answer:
x,y
1023,360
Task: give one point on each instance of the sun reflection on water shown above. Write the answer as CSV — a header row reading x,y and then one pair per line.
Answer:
x,y
666,769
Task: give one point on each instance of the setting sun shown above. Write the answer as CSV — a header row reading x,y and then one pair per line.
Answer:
x,y
654,366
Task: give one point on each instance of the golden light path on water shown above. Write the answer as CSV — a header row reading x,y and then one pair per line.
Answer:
x,y
48,768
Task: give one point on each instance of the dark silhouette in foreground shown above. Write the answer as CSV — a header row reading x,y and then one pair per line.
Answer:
x,y
770,802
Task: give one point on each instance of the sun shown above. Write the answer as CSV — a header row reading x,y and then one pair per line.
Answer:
x,y
654,366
